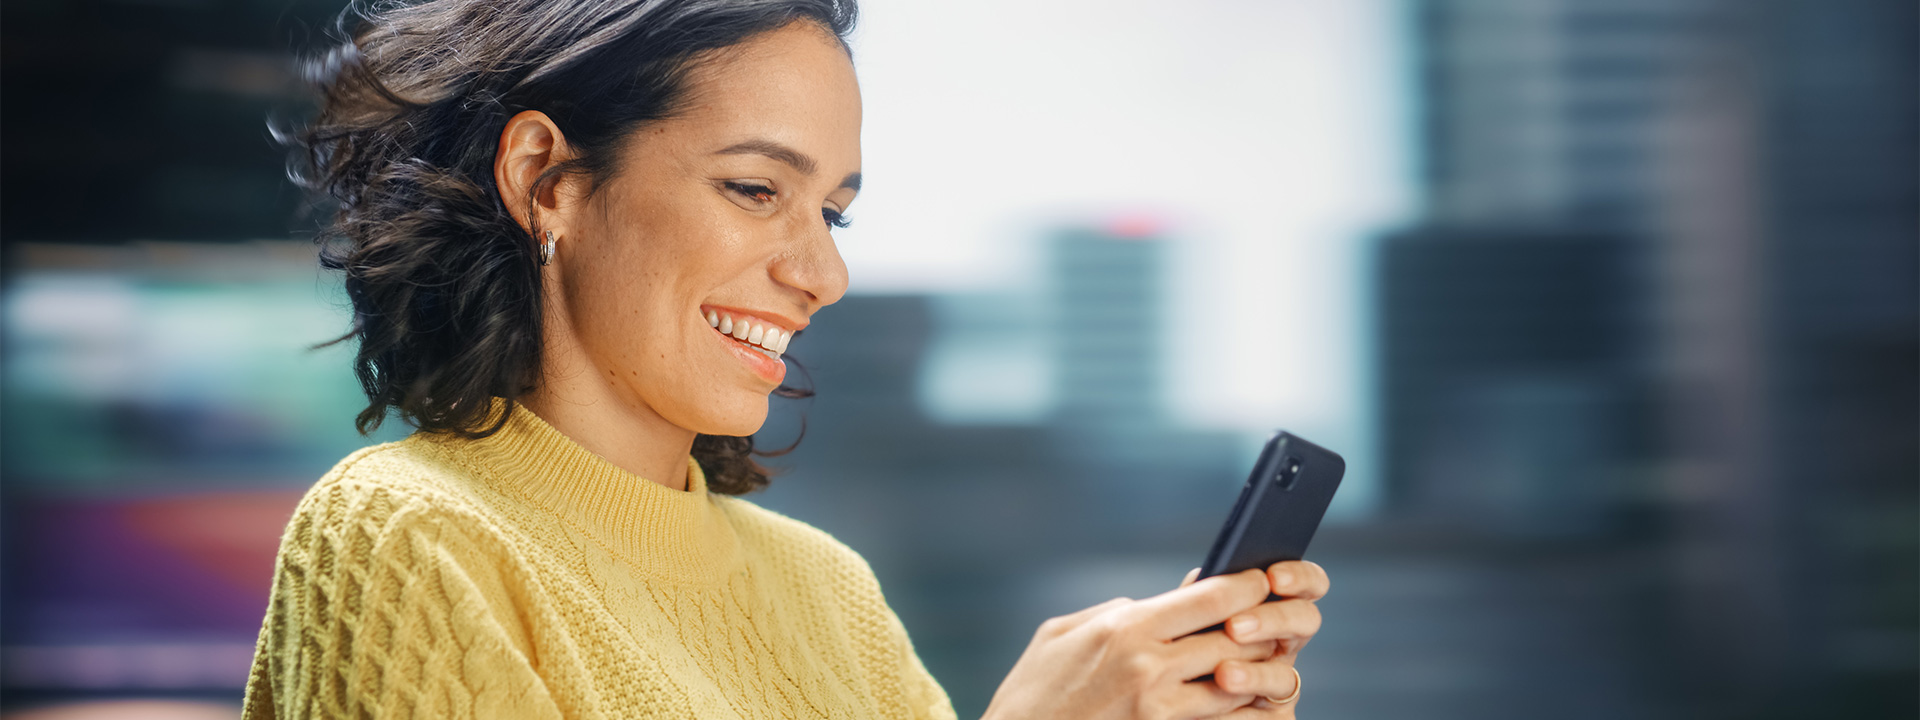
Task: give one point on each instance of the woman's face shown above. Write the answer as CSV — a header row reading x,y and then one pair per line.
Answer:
x,y
721,213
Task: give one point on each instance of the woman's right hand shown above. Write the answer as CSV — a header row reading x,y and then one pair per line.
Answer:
x,y
1133,659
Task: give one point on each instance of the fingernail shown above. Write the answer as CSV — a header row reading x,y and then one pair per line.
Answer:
x,y
1245,624
1233,676
1282,578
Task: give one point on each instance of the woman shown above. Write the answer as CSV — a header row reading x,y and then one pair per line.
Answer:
x,y
577,237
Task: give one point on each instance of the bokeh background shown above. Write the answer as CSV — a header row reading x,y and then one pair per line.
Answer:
x,y
1610,304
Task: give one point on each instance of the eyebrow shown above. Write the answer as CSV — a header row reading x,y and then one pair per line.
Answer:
x,y
794,158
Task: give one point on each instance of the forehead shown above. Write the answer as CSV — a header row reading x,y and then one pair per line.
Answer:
x,y
794,86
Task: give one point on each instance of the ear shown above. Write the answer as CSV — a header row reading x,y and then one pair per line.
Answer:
x,y
530,146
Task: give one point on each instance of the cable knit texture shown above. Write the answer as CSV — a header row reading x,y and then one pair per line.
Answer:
x,y
522,576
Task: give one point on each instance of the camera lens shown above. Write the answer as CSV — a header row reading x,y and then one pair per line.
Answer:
x,y
1289,472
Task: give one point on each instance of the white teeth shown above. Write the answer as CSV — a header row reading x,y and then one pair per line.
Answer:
x,y
766,339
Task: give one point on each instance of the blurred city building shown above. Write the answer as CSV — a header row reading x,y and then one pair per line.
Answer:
x,y
1514,381
1741,177
162,413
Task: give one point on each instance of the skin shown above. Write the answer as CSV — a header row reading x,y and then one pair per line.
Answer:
x,y
727,204
630,369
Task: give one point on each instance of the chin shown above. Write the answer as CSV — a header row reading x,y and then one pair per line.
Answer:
x,y
735,417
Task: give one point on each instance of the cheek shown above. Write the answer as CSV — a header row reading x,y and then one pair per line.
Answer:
x,y
620,303
638,287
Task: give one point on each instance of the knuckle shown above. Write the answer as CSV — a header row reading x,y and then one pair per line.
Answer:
x,y
1266,649
1053,627
1107,626
1258,592
1255,579
1250,678
1249,651
1290,575
1286,618
1142,668
1091,617
1151,706
1294,619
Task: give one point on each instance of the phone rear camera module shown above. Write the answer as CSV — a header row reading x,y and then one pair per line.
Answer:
x,y
1289,472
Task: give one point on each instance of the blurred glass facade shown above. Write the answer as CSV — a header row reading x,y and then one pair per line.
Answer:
x,y
1639,413
162,414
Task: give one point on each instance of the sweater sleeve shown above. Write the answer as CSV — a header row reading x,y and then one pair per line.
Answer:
x,y
384,606
886,650
924,696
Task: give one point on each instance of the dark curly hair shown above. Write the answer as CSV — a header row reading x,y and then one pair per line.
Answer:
x,y
444,282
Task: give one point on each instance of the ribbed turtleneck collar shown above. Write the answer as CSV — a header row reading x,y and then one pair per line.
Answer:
x,y
666,533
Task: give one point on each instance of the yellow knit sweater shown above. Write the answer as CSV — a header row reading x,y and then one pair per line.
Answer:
x,y
522,576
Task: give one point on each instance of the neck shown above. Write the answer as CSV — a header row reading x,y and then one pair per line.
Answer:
x,y
624,431
611,422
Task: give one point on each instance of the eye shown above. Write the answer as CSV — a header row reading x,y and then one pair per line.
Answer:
x,y
834,218
757,192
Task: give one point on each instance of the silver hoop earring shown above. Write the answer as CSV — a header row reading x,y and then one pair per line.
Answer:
x,y
546,249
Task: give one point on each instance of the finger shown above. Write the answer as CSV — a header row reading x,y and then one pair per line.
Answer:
x,y
1199,699
1275,620
1260,709
1298,579
1192,575
1196,655
1203,604
1271,678
1291,646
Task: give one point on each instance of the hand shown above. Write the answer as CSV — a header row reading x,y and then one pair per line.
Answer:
x,y
1289,622
1132,659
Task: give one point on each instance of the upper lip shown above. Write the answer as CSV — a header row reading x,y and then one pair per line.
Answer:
x,y
765,317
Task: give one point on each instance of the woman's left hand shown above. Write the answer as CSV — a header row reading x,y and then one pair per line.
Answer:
x,y
1291,621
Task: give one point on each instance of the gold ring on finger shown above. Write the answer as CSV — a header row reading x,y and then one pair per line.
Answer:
x,y
1292,696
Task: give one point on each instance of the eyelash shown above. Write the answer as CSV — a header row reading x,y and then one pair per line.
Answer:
x,y
762,193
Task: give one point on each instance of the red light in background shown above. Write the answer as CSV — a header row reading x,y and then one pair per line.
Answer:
x,y
1137,226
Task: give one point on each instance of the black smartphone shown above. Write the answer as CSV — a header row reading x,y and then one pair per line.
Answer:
x,y
1280,507
1278,511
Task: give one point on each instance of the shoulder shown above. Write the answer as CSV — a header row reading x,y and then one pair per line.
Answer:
x,y
390,526
412,468
392,588
394,476
386,491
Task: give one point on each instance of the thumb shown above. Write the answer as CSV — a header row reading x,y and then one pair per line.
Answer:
x,y
1192,575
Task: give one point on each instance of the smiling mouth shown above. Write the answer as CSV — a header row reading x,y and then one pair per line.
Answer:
x,y
770,341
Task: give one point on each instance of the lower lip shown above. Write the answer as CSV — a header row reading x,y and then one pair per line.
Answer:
x,y
767,368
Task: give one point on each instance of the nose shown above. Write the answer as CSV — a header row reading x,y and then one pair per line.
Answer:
x,y
812,264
